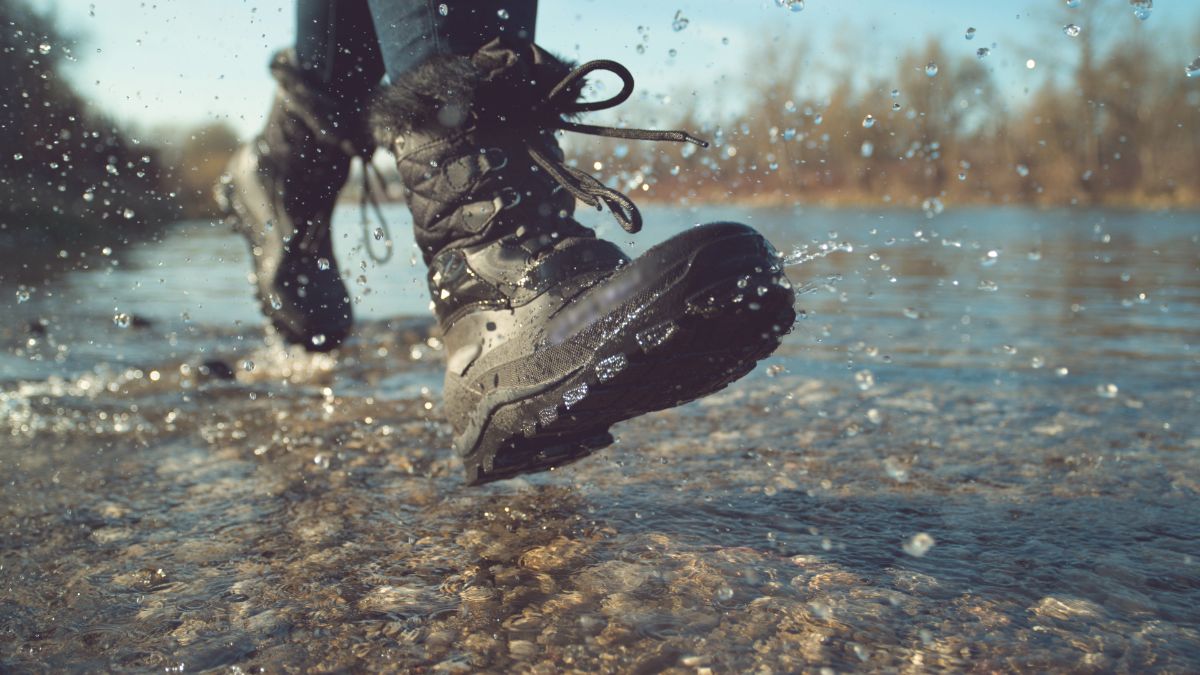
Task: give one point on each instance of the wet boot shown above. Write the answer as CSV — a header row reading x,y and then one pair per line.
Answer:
x,y
553,335
280,190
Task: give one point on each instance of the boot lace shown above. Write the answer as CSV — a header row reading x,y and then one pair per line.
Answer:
x,y
369,203
562,101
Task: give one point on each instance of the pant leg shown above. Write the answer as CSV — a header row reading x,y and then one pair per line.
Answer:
x,y
337,48
410,31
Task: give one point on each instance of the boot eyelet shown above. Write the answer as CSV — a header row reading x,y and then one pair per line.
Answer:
x,y
509,198
495,159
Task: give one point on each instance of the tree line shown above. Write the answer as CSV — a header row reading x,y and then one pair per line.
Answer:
x,y
1122,127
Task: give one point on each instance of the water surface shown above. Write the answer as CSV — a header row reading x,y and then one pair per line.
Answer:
x,y
976,451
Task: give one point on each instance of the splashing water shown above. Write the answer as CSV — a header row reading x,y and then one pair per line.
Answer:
x,y
808,252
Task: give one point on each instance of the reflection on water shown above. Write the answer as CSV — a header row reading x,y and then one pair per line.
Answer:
x,y
976,452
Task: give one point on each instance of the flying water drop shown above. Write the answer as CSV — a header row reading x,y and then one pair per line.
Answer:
x,y
1193,69
919,544
679,22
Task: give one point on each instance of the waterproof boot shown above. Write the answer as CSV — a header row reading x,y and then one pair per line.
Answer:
x,y
279,191
553,335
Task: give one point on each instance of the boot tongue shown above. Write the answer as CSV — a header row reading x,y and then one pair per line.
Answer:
x,y
514,59
516,77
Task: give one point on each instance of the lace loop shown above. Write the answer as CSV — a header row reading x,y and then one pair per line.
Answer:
x,y
318,231
562,101
368,197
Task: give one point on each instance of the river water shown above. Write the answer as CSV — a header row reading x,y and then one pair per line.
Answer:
x,y
977,451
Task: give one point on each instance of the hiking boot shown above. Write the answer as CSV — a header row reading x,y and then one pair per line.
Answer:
x,y
279,191
552,335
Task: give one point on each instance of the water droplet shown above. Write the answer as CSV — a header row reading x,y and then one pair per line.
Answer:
x,y
982,52
793,5
911,313
89,196
931,69
672,53
868,149
1109,390
573,396
276,303
679,22
893,467
122,320
1142,8
503,14
247,365
378,234
970,33
548,416
1031,64
865,379
1062,371
919,544
724,593
655,336
321,460
874,416
18,156
1072,30
868,122
443,9
818,118
608,368
641,49
127,213
44,48
1193,69
896,106
106,251
22,294
1022,170
962,175
933,207
318,339
1073,3
789,133
322,263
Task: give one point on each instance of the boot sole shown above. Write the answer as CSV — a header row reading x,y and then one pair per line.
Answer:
x,y
678,353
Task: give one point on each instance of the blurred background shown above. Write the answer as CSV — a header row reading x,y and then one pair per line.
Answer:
x,y
123,112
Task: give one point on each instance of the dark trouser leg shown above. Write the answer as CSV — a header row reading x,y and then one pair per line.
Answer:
x,y
411,31
337,49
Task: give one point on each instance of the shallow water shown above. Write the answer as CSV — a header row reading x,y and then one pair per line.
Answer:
x,y
959,460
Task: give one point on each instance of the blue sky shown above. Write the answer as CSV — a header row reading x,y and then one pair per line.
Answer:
x,y
180,62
